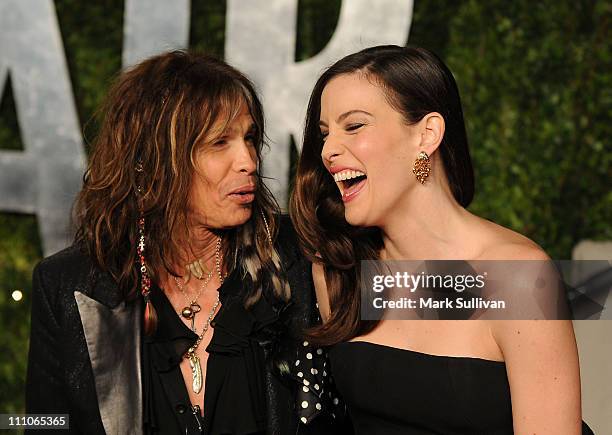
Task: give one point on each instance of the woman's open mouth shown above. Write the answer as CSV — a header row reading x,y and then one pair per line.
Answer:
x,y
350,183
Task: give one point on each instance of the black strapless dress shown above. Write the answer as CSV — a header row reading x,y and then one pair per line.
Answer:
x,y
391,391
396,391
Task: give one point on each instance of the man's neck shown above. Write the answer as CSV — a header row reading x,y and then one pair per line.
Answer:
x,y
200,244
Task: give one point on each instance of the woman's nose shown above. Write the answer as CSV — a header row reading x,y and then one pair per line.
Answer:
x,y
332,148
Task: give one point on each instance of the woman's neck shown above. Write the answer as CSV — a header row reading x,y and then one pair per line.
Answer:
x,y
429,224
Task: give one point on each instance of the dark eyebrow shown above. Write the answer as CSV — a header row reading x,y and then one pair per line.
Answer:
x,y
345,115
252,129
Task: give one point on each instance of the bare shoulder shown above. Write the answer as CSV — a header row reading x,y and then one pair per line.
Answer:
x,y
541,356
515,336
501,243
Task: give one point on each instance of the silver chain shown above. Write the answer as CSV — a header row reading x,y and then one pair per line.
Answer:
x,y
193,348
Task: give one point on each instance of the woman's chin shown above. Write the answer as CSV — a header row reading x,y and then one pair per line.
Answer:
x,y
356,218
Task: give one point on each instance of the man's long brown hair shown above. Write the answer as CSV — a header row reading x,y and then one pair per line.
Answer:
x,y
156,115
415,82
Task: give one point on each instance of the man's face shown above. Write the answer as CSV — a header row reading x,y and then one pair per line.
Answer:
x,y
223,185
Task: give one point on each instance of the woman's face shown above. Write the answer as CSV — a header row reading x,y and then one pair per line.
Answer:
x,y
223,186
368,148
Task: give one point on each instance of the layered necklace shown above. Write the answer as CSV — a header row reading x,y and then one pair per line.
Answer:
x,y
193,308
190,311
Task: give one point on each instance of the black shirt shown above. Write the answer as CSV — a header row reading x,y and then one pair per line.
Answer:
x,y
234,401
64,377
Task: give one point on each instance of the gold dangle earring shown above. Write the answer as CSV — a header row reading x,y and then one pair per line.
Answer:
x,y
422,167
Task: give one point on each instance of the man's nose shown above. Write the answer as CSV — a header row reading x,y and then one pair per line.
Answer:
x,y
246,159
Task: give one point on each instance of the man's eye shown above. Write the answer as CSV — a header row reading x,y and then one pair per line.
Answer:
x,y
353,127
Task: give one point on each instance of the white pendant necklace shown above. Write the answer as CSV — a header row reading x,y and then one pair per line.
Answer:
x,y
194,359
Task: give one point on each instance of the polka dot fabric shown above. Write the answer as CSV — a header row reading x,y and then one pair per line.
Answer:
x,y
316,394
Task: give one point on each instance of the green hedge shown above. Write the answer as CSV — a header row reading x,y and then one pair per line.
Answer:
x,y
536,89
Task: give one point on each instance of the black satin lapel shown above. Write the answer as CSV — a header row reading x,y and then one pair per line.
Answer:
x,y
113,342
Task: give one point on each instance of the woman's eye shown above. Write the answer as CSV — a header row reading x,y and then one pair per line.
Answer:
x,y
353,127
220,142
250,138
324,135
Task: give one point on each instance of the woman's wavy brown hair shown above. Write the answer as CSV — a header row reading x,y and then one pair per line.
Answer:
x,y
415,82
156,115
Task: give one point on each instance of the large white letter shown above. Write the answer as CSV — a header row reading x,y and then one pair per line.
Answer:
x,y
153,26
44,178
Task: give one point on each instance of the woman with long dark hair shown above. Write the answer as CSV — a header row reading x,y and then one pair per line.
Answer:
x,y
385,174
180,306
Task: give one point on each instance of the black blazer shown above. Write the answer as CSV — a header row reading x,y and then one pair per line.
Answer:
x,y
84,357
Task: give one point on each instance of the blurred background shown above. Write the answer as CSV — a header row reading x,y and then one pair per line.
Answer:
x,y
536,86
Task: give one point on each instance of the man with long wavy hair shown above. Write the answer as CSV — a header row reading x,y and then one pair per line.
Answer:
x,y
183,278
